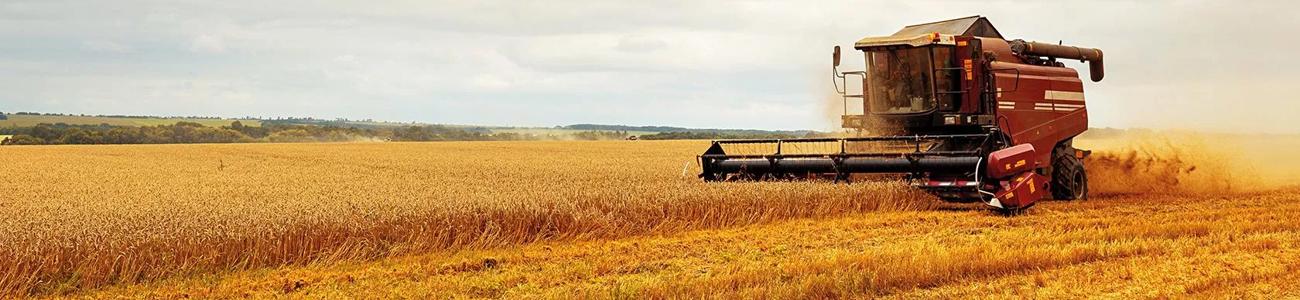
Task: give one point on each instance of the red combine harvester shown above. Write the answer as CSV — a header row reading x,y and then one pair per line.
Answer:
x,y
954,108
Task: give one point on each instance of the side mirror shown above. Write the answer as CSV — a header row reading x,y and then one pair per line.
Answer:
x,y
837,56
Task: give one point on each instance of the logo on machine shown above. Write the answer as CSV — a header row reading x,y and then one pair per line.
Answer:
x,y
1018,164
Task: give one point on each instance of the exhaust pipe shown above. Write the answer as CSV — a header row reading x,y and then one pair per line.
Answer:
x,y
1092,55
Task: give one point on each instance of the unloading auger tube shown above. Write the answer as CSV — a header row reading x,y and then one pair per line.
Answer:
x,y
1091,55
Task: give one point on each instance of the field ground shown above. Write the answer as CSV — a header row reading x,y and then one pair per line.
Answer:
x,y
1119,246
1171,216
32,120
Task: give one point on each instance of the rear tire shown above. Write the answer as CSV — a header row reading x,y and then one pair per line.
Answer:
x,y
1069,178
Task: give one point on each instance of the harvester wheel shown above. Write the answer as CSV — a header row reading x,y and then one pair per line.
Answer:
x,y
1069,179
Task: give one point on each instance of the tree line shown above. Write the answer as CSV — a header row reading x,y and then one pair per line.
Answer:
x,y
236,132
707,135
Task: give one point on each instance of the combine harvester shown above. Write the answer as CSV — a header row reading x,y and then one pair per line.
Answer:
x,y
954,108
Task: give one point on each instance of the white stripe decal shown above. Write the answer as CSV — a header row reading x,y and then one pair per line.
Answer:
x,y
1044,106
1062,95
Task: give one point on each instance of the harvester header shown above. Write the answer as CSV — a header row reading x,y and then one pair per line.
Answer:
x,y
951,106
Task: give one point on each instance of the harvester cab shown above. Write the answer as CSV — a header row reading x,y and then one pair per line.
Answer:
x,y
952,107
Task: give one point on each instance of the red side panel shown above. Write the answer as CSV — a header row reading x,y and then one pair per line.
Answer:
x,y
1011,161
1039,105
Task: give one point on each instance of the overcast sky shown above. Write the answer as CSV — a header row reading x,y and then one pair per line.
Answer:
x,y
1221,65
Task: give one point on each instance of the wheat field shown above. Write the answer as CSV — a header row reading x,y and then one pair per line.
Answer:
x,y
1128,247
612,219
79,217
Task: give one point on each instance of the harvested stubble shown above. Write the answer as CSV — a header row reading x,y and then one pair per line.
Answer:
x,y
1127,246
77,217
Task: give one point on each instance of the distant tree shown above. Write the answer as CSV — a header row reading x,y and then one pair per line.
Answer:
x,y
254,132
692,135
77,136
272,131
45,132
291,136
596,135
509,136
23,139
123,135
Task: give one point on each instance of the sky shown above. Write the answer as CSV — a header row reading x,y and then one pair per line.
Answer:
x,y
1203,65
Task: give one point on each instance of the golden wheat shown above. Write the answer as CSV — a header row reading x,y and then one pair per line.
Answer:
x,y
77,217
1143,246
74,218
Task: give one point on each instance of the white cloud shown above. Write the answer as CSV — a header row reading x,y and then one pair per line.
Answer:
x,y
207,44
106,46
760,64
490,82
640,43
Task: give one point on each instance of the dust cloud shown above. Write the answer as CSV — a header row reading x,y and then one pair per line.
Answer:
x,y
833,105
1178,162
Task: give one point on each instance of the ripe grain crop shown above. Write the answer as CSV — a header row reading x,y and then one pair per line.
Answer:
x,y
80,217
76,218
1115,246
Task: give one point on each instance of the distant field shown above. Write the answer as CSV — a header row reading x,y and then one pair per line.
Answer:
x,y
555,131
31,120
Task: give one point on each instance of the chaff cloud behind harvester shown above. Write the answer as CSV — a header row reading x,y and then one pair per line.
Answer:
x,y
952,106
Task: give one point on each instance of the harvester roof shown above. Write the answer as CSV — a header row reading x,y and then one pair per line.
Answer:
x,y
973,25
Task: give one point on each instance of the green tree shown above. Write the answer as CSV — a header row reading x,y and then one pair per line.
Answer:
x,y
23,139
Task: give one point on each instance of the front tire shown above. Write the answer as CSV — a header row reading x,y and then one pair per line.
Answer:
x,y
1069,178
